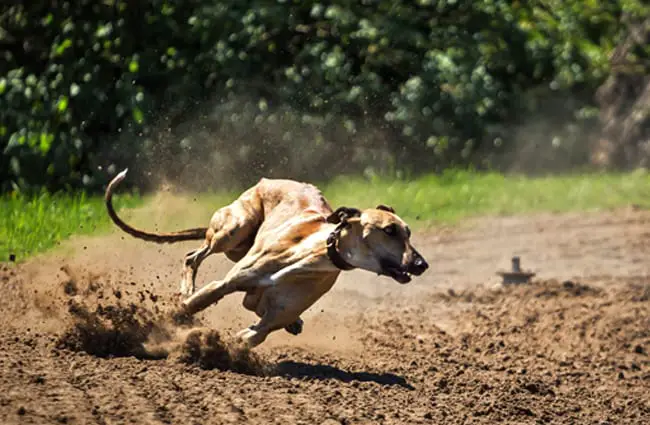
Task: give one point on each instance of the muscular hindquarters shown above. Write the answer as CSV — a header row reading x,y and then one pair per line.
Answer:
x,y
263,207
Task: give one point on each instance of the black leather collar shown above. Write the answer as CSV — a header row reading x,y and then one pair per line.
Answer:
x,y
332,252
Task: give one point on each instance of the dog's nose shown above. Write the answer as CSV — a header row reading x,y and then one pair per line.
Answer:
x,y
418,266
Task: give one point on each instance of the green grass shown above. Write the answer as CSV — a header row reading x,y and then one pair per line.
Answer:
x,y
457,195
32,225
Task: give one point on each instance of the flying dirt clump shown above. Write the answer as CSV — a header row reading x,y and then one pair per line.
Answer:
x,y
111,331
122,328
123,331
206,348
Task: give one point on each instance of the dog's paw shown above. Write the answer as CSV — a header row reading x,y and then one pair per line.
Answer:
x,y
295,328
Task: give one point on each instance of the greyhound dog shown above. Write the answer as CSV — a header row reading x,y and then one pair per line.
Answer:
x,y
289,247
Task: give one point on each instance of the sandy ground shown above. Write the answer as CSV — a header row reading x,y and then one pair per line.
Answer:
x,y
453,346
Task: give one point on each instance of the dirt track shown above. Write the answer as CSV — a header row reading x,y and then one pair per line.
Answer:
x,y
451,347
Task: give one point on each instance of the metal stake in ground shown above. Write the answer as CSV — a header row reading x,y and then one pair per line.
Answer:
x,y
516,275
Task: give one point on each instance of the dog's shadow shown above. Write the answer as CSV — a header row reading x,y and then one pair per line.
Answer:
x,y
293,369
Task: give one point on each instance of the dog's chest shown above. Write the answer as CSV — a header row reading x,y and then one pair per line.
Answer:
x,y
298,294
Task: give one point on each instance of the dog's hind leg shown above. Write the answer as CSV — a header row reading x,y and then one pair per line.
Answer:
x,y
191,263
232,230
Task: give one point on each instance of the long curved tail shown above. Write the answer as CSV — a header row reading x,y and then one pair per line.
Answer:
x,y
182,235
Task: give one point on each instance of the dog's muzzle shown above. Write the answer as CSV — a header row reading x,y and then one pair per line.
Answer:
x,y
402,273
417,266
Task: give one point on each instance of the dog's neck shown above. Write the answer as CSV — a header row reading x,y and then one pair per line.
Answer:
x,y
350,248
335,256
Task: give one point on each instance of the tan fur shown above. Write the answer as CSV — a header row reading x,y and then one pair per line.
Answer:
x,y
276,232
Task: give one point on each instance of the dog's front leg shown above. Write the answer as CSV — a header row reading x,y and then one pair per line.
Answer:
x,y
216,290
251,302
255,335
208,295
243,277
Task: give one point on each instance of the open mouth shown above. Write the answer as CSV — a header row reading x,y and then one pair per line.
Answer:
x,y
397,272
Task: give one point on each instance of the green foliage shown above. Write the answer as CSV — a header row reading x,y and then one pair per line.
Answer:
x,y
72,80
443,78
32,224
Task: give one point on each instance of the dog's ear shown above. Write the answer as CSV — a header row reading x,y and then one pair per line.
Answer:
x,y
386,208
343,213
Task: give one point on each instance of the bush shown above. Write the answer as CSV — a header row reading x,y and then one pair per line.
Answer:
x,y
85,84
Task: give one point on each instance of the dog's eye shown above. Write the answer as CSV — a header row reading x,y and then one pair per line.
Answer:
x,y
391,229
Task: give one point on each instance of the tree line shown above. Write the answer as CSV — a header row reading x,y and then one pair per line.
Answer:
x,y
228,91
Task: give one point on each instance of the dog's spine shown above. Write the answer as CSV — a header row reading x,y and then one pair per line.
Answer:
x,y
182,235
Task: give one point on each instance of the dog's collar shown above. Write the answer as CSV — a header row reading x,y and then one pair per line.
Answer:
x,y
332,252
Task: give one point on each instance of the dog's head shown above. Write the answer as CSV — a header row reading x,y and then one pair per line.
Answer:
x,y
378,240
